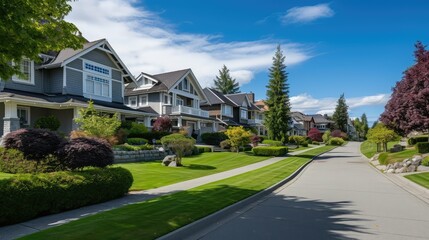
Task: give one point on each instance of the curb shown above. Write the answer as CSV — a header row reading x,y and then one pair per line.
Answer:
x,y
192,228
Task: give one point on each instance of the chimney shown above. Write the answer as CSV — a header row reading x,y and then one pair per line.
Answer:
x,y
251,97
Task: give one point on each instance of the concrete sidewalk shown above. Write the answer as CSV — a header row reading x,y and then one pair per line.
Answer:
x,y
38,224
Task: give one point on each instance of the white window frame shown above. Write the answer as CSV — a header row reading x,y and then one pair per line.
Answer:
x,y
185,84
169,97
135,99
241,113
109,69
18,108
18,79
92,73
178,99
141,103
224,112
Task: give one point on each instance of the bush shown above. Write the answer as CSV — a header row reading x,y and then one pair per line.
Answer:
x,y
127,147
425,161
169,138
137,130
29,196
270,151
382,158
49,122
154,135
13,161
226,144
298,140
85,152
315,143
202,149
272,142
137,141
326,136
262,138
315,135
181,147
162,124
422,147
35,144
304,144
213,138
417,139
336,141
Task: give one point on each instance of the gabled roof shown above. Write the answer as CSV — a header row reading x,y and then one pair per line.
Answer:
x,y
216,97
238,98
68,55
261,105
169,79
298,116
320,119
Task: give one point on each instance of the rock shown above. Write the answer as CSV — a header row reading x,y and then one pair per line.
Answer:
x,y
391,170
401,170
168,159
397,165
173,164
406,163
412,168
416,160
389,166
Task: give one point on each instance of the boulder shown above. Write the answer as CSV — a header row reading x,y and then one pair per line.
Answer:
x,y
389,166
401,170
397,165
168,159
173,164
412,168
416,160
391,170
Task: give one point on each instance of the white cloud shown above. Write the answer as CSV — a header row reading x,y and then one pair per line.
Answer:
x,y
146,43
307,14
307,104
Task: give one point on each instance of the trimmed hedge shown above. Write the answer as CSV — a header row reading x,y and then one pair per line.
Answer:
x,y
336,141
154,135
13,161
417,139
382,158
27,196
272,142
137,141
270,151
422,147
127,147
202,149
213,138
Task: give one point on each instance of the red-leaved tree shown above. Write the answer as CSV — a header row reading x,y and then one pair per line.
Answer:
x,y
408,107
315,135
162,124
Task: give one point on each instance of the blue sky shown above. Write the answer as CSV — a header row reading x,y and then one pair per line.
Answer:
x,y
359,48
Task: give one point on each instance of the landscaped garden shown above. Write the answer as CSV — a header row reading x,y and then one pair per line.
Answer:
x,y
156,217
369,149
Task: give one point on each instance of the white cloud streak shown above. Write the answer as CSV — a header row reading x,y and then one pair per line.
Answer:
x,y
307,104
307,14
146,43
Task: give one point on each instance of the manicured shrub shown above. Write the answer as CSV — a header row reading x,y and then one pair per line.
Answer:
x,y
26,196
417,139
154,135
262,138
167,139
270,151
315,143
84,152
49,122
137,141
13,161
298,140
336,141
425,161
226,144
315,135
162,124
181,147
213,138
35,144
304,144
382,158
272,142
137,130
127,147
326,136
203,149
422,147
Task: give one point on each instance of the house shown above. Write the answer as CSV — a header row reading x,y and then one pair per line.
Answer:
x,y
62,83
220,108
177,94
301,123
321,122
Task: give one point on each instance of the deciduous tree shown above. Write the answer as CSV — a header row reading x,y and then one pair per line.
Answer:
x,y
29,28
380,134
278,115
238,136
315,135
224,83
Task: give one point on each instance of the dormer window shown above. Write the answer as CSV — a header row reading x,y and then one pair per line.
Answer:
x,y
97,82
185,84
132,101
26,67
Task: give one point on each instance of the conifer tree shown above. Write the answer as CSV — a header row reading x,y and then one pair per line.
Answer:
x,y
224,83
364,121
278,115
341,115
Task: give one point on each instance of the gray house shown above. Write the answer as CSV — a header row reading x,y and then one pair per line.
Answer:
x,y
176,94
62,83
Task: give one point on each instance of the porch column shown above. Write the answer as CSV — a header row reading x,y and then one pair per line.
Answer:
x,y
147,122
214,127
76,114
179,122
10,120
199,125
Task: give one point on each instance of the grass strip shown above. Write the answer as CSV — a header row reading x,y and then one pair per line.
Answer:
x,y
149,175
156,217
5,175
369,149
420,178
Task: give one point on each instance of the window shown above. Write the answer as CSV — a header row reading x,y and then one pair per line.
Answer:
x,y
227,110
26,67
243,114
24,115
191,89
179,102
97,81
143,100
185,84
97,86
132,101
167,99
91,67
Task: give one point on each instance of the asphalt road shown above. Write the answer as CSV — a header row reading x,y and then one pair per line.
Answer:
x,y
339,196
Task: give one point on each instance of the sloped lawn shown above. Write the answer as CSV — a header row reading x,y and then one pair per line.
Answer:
x,y
149,175
156,217
369,149
420,178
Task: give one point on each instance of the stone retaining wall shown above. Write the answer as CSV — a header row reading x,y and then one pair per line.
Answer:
x,y
138,156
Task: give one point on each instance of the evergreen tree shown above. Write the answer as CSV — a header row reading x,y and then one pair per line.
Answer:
x,y
364,121
341,115
224,83
278,114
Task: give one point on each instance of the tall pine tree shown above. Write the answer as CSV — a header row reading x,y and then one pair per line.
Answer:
x,y
341,115
278,115
364,121
224,83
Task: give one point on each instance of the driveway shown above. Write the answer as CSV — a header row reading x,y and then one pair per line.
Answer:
x,y
339,196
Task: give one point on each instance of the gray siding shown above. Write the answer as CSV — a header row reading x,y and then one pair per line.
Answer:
x,y
53,80
37,87
36,113
153,101
116,75
74,82
76,64
1,118
116,92
101,57
65,116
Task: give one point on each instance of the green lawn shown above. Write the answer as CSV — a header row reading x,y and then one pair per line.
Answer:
x,y
152,174
5,175
156,217
369,149
400,156
420,178
299,149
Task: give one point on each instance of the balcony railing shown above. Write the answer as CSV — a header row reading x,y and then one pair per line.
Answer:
x,y
189,110
255,121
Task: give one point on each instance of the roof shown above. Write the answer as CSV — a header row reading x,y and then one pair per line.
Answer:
x,y
63,99
238,98
319,119
171,78
261,105
299,116
216,97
